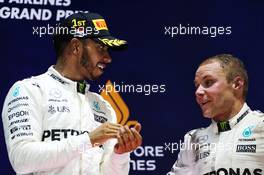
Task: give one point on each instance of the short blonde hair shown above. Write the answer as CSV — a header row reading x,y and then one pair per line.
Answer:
x,y
233,67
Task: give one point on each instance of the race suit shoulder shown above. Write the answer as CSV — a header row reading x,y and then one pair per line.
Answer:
x,y
233,147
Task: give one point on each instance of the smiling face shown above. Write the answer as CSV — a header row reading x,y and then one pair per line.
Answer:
x,y
214,94
94,59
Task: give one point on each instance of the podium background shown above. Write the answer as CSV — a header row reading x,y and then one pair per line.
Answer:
x,y
152,58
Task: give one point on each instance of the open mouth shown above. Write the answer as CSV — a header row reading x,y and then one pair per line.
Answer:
x,y
101,66
204,103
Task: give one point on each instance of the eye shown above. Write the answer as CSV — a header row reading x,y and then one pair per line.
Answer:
x,y
101,48
208,83
196,85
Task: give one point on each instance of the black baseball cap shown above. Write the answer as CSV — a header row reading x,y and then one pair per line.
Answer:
x,y
88,25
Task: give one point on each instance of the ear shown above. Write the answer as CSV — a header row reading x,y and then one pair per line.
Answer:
x,y
75,46
238,83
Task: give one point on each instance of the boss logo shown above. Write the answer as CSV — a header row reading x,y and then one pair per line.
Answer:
x,y
246,148
99,118
202,155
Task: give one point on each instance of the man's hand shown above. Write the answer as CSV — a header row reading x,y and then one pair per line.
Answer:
x,y
104,132
128,139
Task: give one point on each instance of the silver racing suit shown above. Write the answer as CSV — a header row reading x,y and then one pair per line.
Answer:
x,y
46,121
235,147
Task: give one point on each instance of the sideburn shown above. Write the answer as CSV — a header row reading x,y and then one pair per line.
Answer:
x,y
84,59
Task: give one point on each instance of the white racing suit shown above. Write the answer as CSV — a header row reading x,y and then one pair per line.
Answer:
x,y
235,147
46,121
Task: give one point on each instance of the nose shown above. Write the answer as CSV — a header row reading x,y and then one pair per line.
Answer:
x,y
199,91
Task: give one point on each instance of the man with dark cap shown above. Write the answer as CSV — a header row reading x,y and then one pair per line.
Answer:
x,y
54,125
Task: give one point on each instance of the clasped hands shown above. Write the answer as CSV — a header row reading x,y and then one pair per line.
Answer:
x,y
128,138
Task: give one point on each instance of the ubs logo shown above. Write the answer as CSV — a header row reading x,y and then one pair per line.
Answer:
x,y
62,109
